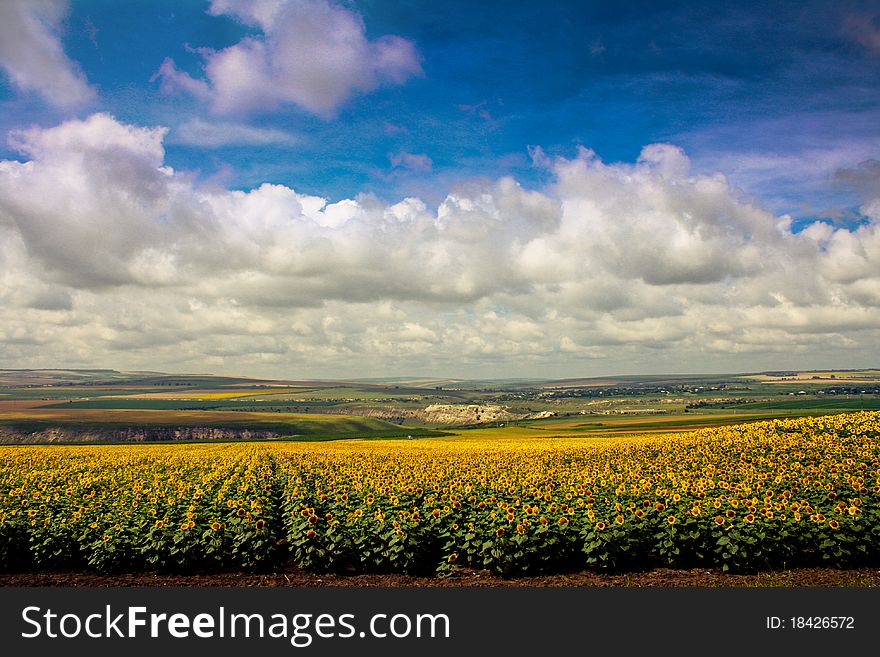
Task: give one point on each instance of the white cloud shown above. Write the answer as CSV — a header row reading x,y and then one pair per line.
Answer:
x,y
805,170
197,132
415,162
310,53
109,257
32,56
100,134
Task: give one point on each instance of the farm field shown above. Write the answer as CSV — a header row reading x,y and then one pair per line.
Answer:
x,y
48,406
780,493
107,425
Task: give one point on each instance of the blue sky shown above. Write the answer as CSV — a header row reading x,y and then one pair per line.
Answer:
x,y
334,188
728,82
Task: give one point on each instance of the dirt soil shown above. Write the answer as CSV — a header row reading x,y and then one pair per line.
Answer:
x,y
660,577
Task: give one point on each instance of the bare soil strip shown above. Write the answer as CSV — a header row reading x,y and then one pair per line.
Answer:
x,y
659,577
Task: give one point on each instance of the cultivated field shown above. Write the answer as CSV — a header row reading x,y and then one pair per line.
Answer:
x,y
781,493
49,406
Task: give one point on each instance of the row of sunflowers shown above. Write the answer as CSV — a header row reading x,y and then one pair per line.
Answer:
x,y
771,494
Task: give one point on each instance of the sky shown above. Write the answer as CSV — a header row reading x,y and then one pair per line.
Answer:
x,y
325,189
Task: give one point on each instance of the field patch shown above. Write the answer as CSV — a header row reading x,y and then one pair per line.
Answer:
x,y
599,425
828,403
798,492
210,394
103,425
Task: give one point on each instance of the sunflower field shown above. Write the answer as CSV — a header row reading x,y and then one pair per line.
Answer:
x,y
784,493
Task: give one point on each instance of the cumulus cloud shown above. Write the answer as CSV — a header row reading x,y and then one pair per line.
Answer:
x,y
110,257
310,53
32,56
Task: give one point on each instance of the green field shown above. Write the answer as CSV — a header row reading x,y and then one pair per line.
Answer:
x,y
857,404
188,404
96,405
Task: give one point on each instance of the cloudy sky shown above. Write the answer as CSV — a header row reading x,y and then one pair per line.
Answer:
x,y
316,188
